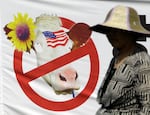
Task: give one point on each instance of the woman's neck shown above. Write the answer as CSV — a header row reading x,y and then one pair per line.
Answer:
x,y
123,53
126,50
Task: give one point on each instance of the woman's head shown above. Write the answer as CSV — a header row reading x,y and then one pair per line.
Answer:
x,y
122,18
120,38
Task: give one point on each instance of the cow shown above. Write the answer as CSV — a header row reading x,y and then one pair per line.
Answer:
x,y
52,42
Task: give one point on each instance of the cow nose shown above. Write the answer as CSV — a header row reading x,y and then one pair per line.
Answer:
x,y
68,74
76,76
62,78
70,78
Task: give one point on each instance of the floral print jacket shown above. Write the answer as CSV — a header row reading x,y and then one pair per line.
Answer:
x,y
126,90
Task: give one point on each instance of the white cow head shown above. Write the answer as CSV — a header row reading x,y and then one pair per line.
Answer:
x,y
64,79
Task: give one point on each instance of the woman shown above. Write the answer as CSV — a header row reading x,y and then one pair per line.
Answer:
x,y
126,86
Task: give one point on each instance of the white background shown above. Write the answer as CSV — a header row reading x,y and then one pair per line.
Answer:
x,y
13,100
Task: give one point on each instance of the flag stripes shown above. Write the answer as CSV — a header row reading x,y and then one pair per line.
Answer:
x,y
58,38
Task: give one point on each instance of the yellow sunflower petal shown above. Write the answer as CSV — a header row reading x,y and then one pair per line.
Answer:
x,y
29,44
19,19
12,34
32,36
11,25
16,43
26,17
19,42
23,44
30,22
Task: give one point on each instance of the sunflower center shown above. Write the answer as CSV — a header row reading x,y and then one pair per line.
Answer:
x,y
22,32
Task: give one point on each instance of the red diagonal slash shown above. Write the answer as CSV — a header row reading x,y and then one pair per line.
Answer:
x,y
52,65
25,78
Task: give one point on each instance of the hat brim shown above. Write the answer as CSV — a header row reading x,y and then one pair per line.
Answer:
x,y
105,29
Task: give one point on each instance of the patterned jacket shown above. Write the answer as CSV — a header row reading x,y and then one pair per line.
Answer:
x,y
126,91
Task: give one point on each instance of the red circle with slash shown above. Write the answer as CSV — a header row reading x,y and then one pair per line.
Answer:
x,y
25,78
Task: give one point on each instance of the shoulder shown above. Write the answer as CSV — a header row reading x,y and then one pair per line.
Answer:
x,y
140,58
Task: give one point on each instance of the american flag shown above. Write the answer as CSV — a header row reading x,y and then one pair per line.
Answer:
x,y
54,39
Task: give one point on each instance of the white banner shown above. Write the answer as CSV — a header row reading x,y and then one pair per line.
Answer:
x,y
23,91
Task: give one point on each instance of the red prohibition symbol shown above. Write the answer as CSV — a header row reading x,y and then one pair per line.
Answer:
x,y
25,78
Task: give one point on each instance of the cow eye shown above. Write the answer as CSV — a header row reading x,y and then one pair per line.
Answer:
x,y
62,78
76,76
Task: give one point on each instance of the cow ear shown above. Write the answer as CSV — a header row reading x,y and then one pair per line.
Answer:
x,y
79,33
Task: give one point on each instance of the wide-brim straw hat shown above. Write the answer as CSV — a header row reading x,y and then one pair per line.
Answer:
x,y
124,18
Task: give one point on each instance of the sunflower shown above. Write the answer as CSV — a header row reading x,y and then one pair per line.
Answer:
x,y
21,32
